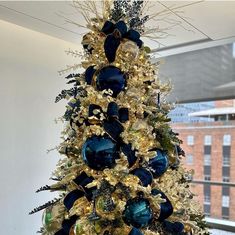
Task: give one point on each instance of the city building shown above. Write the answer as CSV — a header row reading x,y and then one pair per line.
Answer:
x,y
209,147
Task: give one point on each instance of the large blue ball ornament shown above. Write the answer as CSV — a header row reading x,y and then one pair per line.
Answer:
x,y
137,212
111,78
100,152
159,164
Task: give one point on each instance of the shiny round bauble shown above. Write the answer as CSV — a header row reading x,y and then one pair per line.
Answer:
x,y
159,164
100,152
48,219
144,176
111,78
130,49
137,212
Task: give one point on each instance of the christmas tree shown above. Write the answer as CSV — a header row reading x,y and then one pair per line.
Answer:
x,y
121,172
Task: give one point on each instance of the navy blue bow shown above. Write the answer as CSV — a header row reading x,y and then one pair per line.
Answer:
x,y
115,33
115,116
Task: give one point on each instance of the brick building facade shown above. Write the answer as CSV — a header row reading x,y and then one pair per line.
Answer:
x,y
209,149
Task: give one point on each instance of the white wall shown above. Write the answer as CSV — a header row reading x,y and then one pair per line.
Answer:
x,y
29,62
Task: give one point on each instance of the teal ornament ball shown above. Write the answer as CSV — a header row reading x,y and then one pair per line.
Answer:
x,y
100,152
111,78
137,212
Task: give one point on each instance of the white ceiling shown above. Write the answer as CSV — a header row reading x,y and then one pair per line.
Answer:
x,y
197,21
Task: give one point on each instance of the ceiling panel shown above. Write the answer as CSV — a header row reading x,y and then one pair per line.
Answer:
x,y
214,18
44,16
184,21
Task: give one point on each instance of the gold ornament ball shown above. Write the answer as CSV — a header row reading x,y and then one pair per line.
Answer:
x,y
131,48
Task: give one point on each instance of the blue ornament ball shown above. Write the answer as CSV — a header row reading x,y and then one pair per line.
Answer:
x,y
111,78
159,164
100,152
137,212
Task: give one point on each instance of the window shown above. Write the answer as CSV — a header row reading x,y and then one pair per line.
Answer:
x,y
207,177
207,209
227,140
225,190
226,160
207,170
207,140
190,140
225,171
207,149
207,199
207,160
226,178
225,201
189,159
226,155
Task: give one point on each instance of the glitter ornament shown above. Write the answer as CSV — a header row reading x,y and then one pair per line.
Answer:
x,y
137,212
111,78
130,49
100,152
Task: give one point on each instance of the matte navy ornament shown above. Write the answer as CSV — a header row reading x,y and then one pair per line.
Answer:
x,y
100,152
159,164
112,78
137,212
144,175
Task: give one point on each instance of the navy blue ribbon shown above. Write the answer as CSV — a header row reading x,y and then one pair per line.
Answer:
x,y
67,225
166,208
82,180
173,227
115,33
144,175
114,117
130,153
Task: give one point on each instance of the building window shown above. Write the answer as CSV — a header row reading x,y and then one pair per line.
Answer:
x,y
207,199
225,171
207,140
207,209
207,177
225,190
225,213
189,159
207,150
207,170
190,140
207,160
226,160
225,201
227,140
226,179
226,155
